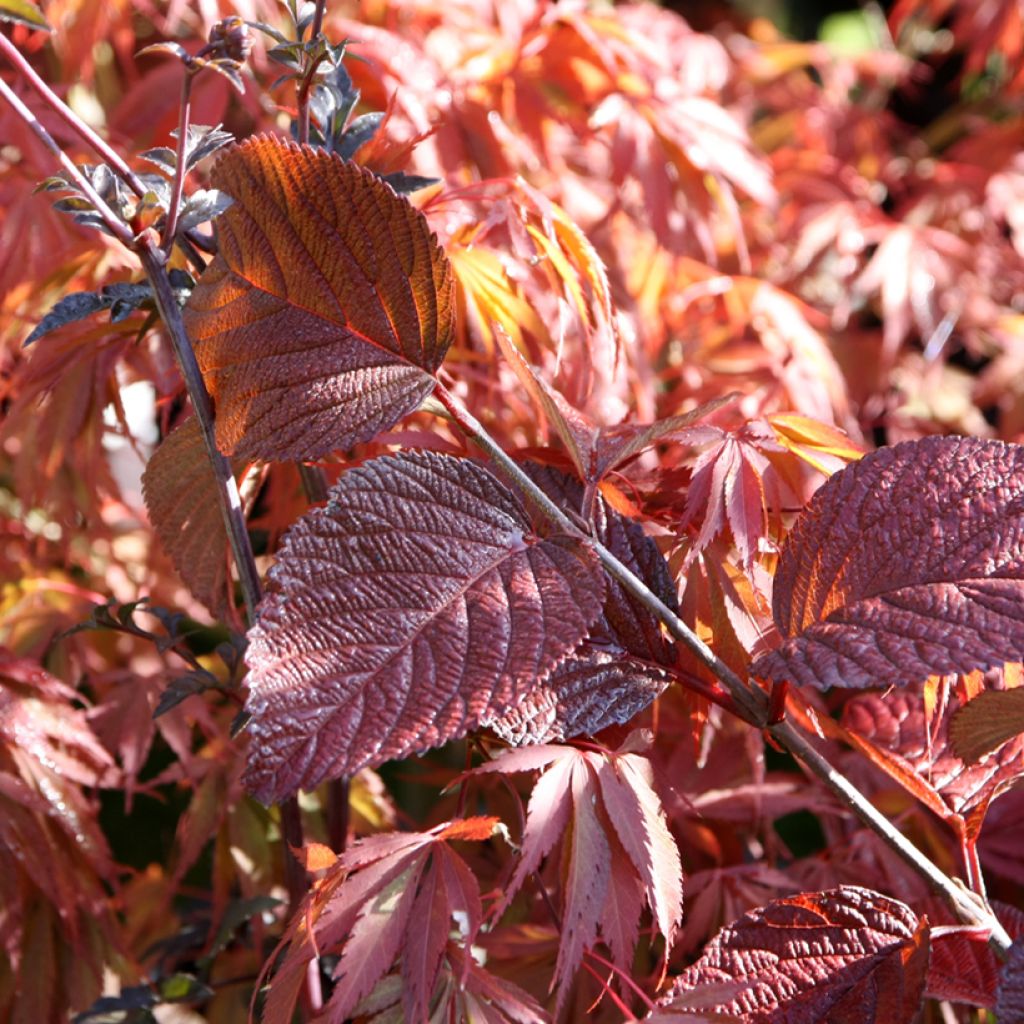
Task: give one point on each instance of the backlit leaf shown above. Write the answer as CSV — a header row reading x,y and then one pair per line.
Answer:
x,y
181,498
905,564
846,956
327,310
415,604
987,722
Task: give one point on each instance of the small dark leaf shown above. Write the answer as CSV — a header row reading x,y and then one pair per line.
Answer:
x,y
201,206
203,140
23,12
183,988
76,306
906,564
361,130
182,687
269,30
404,183
163,157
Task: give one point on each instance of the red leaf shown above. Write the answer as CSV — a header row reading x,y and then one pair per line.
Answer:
x,y
181,498
846,956
1010,1004
962,967
418,602
327,310
903,565
987,722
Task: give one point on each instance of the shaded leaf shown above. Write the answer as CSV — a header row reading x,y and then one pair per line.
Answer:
x,y
327,309
201,206
120,299
986,722
848,956
181,496
418,602
962,967
1010,1004
904,565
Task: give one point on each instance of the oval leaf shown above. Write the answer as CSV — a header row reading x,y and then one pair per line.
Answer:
x,y
180,491
417,602
906,564
847,956
327,310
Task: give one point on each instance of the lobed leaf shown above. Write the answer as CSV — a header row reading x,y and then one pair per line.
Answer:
x,y
847,955
416,604
327,309
905,564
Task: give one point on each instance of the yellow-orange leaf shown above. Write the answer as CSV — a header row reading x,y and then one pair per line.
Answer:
x,y
327,310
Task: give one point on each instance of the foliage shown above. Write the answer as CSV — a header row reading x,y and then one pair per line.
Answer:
x,y
596,397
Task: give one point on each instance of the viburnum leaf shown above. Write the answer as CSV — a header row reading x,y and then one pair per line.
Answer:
x,y
846,956
388,896
1010,1004
180,491
903,565
962,967
985,723
614,819
618,670
417,603
327,310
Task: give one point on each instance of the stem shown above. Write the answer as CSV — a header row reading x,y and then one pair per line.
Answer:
x,y
302,99
291,834
753,704
178,185
70,118
153,262
114,223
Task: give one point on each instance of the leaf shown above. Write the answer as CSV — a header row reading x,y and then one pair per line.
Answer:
x,y
121,299
201,206
904,565
962,967
23,12
417,603
987,722
181,496
847,955
614,817
1010,1004
327,310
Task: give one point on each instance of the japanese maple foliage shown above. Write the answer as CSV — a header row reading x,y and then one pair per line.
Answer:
x,y
413,528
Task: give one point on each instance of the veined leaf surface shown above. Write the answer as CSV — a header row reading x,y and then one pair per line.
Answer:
x,y
416,603
327,310
906,564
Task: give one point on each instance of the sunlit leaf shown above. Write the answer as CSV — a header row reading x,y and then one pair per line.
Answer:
x,y
904,565
987,722
327,310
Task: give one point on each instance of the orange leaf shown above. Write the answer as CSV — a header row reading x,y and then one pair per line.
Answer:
x,y
328,309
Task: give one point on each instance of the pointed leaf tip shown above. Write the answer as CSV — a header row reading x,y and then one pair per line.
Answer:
x,y
327,310
415,604
905,564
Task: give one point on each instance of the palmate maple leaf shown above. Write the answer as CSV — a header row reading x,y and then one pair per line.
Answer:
x,y
619,853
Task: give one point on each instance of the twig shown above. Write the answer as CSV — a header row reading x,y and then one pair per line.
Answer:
x,y
752,703
181,150
306,85
70,118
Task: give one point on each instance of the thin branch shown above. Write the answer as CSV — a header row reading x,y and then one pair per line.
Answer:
x,y
70,118
178,185
306,85
752,703
114,224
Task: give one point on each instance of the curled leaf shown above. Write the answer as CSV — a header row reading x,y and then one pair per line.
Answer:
x,y
905,564
327,310
416,603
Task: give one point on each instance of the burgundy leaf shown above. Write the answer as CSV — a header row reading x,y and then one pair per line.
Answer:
x,y
987,722
846,956
616,672
418,602
327,310
181,498
962,967
1010,1004
905,564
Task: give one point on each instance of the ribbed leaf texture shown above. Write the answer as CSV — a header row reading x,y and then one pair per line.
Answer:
x,y
987,722
905,564
1010,1004
846,956
617,671
181,497
327,309
416,603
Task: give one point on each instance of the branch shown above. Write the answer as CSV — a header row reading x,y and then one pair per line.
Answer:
x,y
178,185
752,704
